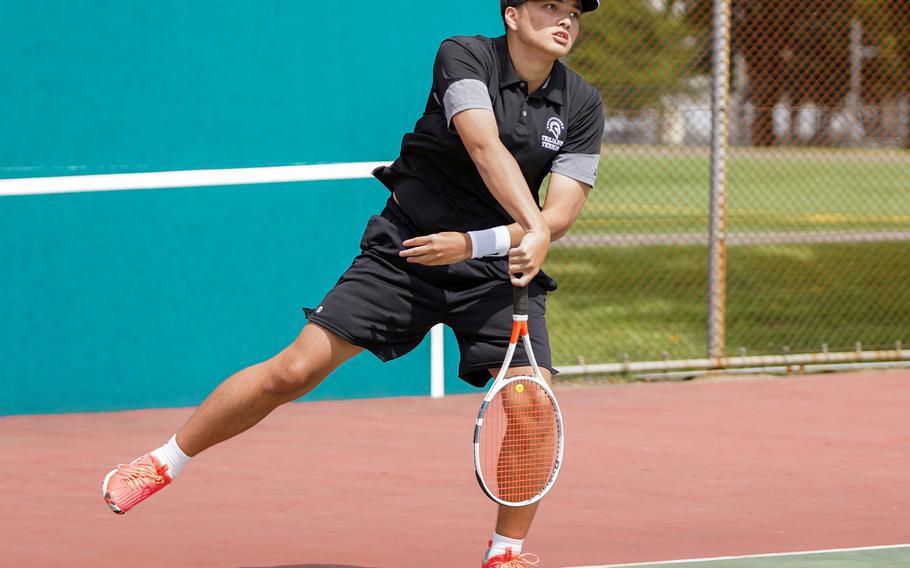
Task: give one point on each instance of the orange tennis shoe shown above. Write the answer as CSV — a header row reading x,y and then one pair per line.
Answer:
x,y
508,560
133,483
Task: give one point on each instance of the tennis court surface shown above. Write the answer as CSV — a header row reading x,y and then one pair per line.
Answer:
x,y
654,473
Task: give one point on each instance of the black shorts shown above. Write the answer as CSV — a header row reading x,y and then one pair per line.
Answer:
x,y
387,305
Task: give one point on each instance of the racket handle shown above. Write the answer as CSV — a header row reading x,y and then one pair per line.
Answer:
x,y
520,300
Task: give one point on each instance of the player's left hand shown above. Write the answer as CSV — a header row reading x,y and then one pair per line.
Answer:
x,y
437,249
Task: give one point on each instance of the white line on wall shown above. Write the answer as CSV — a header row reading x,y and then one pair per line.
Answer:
x,y
185,178
221,177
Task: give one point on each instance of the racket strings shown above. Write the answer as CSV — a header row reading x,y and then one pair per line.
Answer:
x,y
519,442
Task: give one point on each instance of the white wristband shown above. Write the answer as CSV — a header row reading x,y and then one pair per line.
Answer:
x,y
490,242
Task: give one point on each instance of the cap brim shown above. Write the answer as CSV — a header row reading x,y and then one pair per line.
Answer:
x,y
589,5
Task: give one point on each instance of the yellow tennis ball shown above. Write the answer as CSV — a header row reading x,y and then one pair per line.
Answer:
x,y
519,387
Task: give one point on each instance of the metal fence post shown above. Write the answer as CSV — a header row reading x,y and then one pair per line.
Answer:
x,y
717,249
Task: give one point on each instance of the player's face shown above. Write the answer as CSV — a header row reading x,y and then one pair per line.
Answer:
x,y
551,26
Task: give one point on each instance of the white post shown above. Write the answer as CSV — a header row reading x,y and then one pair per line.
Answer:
x,y
437,362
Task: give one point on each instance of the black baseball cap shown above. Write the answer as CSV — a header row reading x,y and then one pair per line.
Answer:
x,y
586,5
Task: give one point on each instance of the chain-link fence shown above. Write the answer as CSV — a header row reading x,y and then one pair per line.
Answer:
x,y
817,187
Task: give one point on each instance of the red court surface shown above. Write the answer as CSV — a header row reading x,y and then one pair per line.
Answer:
x,y
652,472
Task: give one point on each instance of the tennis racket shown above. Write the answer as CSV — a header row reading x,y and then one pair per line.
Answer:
x,y
518,436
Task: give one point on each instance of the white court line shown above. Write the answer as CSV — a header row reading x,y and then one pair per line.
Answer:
x,y
768,555
185,178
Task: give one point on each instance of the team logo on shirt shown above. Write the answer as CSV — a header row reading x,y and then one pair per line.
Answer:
x,y
555,128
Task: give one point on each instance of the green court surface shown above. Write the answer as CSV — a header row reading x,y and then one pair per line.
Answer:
x,y
872,557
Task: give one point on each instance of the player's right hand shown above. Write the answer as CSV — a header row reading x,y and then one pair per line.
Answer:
x,y
527,258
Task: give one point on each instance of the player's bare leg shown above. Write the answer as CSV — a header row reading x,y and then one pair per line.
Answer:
x,y
515,522
251,394
236,405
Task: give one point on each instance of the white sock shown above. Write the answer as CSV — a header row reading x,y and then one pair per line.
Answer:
x,y
501,543
172,456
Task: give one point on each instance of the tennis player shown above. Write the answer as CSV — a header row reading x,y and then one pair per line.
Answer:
x,y
461,226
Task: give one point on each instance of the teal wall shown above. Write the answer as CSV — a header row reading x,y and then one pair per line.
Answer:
x,y
149,298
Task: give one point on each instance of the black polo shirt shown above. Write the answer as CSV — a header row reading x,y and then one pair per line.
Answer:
x,y
558,128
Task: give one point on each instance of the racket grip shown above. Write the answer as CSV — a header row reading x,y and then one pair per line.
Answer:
x,y
520,300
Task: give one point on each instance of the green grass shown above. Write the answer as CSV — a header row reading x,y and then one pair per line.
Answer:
x,y
656,190
648,300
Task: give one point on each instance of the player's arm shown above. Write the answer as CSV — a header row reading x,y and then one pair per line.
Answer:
x,y
500,172
461,79
574,169
571,179
503,177
565,198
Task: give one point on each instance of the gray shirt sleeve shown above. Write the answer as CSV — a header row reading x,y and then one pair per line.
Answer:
x,y
581,167
463,95
461,76
579,156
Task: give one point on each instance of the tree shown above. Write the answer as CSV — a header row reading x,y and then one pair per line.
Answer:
x,y
635,52
819,67
762,30
887,75
793,48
